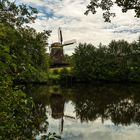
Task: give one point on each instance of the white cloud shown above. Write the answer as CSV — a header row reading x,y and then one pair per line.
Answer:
x,y
69,14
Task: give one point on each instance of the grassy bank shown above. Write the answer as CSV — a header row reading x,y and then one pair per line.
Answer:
x,y
67,75
60,75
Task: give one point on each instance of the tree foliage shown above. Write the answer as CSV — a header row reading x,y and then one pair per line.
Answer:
x,y
106,6
22,57
26,46
16,15
108,101
119,61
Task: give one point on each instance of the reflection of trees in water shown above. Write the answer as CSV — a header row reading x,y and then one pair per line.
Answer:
x,y
44,96
39,93
120,104
124,112
37,123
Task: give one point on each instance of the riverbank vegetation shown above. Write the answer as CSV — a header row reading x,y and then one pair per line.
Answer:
x,y
22,57
119,61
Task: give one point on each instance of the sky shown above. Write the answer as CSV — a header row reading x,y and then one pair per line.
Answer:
x,y
69,15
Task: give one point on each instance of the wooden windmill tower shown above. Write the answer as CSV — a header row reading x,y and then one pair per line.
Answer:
x,y
57,52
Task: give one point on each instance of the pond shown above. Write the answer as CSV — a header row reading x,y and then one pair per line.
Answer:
x,y
90,112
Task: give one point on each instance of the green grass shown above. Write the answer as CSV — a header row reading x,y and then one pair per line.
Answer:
x,y
59,69
56,74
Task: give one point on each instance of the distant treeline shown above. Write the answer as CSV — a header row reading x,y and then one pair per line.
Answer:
x,y
119,61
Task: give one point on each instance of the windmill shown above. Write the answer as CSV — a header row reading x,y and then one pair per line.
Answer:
x,y
57,52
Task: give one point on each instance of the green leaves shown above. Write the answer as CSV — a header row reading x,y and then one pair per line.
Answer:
x,y
22,56
16,15
106,5
119,61
22,49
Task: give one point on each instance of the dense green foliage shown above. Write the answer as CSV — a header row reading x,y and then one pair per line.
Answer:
x,y
22,58
25,45
16,15
33,55
106,6
20,118
119,61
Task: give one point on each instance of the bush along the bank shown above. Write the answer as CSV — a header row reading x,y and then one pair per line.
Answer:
x,y
17,111
119,61
61,75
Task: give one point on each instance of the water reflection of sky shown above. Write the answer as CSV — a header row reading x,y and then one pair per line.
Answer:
x,y
75,130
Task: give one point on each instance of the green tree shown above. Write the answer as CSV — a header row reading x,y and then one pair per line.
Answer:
x,y
83,58
134,60
106,5
68,59
22,52
16,15
27,47
32,58
119,53
119,61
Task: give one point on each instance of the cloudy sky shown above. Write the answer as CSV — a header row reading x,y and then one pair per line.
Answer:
x,y
69,15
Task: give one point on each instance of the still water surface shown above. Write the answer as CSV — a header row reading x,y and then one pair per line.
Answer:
x,y
91,112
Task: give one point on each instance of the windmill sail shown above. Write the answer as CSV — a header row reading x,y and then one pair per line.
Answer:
x,y
70,42
60,37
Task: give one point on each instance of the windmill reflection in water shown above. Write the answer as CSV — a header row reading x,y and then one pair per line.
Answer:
x,y
57,103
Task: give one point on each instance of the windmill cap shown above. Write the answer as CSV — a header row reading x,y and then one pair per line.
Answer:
x,y
56,44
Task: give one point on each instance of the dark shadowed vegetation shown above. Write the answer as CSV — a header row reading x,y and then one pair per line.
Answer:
x,y
119,61
115,102
22,58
